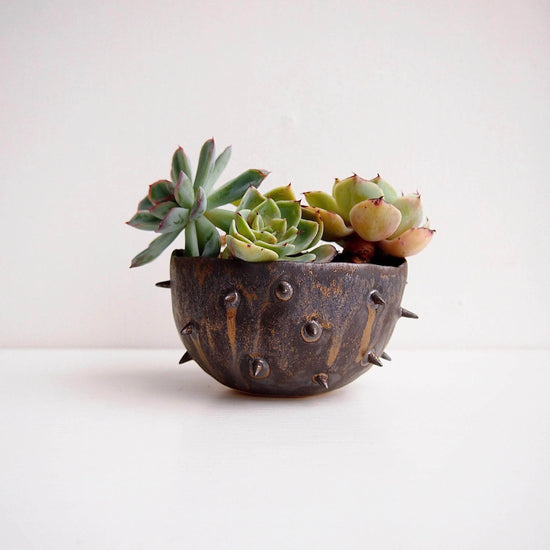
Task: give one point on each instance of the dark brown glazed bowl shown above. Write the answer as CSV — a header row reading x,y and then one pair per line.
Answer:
x,y
285,328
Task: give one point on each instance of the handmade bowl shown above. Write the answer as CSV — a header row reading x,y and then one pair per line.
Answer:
x,y
285,328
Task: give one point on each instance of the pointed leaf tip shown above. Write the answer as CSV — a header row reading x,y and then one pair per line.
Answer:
x,y
154,249
374,219
235,189
409,243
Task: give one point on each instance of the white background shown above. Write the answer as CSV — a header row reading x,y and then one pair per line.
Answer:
x,y
125,449
444,97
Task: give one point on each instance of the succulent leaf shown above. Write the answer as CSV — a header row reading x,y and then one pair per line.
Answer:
x,y
144,204
240,226
278,226
374,219
191,240
320,199
291,211
249,252
265,237
199,208
220,218
324,253
290,235
155,248
175,220
390,194
410,207
161,209
284,193
350,191
314,217
234,189
208,238
409,243
281,249
307,232
250,200
180,163
219,166
160,191
183,192
206,163
268,211
257,222
303,258
334,227
143,220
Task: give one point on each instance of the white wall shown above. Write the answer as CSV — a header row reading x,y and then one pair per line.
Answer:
x,y
450,98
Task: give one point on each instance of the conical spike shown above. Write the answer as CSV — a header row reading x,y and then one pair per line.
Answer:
x,y
376,298
163,284
186,357
409,314
188,329
385,356
232,300
374,359
322,379
259,368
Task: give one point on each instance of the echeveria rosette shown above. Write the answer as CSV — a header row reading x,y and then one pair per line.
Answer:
x,y
191,204
272,227
368,217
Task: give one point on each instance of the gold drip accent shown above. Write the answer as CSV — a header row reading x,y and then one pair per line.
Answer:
x,y
365,339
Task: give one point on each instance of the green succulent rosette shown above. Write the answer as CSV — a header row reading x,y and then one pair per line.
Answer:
x,y
373,211
190,203
275,227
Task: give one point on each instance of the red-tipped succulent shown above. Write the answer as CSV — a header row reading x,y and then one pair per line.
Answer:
x,y
191,204
370,219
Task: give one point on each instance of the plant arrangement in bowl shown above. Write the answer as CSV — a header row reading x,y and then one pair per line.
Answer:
x,y
275,297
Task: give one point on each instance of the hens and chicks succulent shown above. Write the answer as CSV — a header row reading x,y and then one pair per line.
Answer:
x,y
367,218
370,219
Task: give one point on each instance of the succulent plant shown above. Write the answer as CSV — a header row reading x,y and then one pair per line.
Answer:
x,y
191,204
369,218
275,227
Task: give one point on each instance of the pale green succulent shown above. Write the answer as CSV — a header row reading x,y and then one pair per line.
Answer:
x,y
371,211
272,227
191,204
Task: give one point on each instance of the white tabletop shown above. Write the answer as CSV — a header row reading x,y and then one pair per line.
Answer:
x,y
129,450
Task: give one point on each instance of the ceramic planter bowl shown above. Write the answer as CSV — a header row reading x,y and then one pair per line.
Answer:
x,y
285,328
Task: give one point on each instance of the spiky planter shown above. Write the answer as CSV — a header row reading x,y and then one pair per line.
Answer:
x,y
285,328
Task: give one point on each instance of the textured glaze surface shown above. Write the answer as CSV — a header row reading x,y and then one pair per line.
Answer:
x,y
285,328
